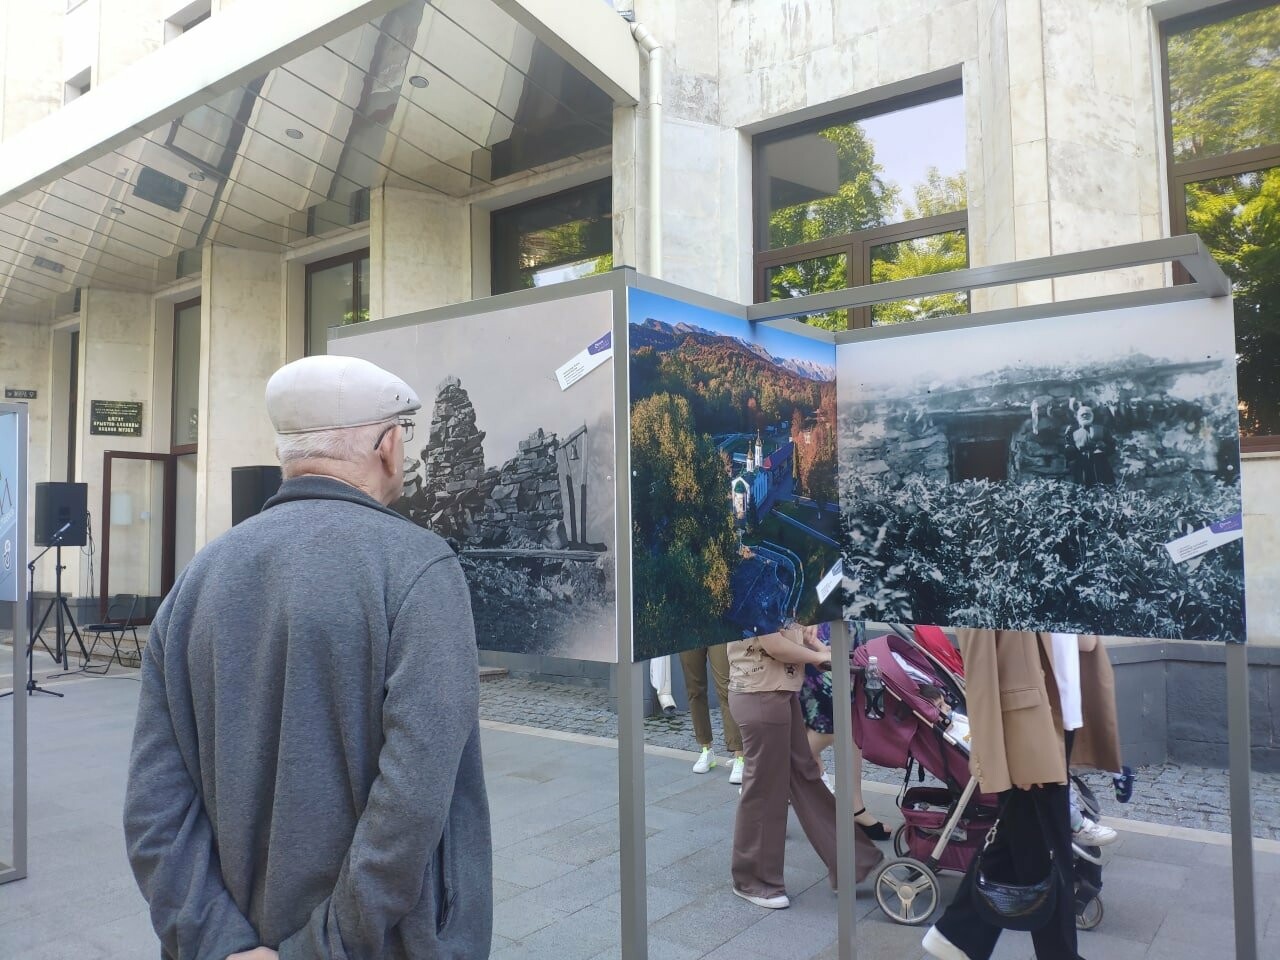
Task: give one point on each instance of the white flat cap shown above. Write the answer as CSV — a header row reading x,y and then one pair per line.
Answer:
x,y
332,393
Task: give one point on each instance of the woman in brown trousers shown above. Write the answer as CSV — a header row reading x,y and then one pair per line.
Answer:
x,y
765,673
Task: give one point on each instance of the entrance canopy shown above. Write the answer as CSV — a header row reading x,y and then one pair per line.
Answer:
x,y
271,122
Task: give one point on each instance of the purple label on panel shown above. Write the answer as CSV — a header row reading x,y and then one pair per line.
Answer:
x,y
1235,522
601,345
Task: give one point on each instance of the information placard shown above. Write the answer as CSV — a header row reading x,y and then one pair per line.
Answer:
x,y
117,418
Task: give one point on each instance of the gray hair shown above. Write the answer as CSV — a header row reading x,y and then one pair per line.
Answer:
x,y
347,444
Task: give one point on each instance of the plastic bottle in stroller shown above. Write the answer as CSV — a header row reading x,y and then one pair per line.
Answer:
x,y
873,689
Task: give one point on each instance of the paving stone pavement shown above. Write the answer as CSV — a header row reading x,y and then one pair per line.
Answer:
x,y
556,863
1170,793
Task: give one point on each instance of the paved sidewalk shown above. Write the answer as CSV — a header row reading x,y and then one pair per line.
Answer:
x,y
556,860
1170,793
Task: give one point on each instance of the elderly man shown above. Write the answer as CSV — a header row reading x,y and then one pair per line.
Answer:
x,y
306,772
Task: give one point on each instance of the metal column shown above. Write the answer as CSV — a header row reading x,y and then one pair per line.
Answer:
x,y
635,908
17,870
846,867
1238,740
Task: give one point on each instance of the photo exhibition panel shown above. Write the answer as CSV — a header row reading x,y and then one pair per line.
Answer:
x,y
513,462
1074,473
734,516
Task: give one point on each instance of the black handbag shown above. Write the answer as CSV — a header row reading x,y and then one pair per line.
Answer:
x,y
1016,906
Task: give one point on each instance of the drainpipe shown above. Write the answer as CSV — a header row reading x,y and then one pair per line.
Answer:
x,y
660,668
652,49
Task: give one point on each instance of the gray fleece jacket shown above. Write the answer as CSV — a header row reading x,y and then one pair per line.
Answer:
x,y
306,765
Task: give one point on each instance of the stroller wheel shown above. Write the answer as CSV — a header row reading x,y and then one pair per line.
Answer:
x,y
907,891
1090,915
900,845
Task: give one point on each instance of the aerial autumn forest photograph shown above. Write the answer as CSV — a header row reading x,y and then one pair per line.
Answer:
x,y
734,508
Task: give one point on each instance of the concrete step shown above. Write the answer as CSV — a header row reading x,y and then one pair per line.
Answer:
x,y
492,673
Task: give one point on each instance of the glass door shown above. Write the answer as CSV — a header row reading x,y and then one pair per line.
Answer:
x,y
137,529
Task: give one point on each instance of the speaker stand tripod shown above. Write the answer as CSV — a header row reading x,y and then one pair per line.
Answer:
x,y
32,686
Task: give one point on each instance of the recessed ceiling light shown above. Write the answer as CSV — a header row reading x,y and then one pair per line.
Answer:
x,y
117,209
195,175
418,80
293,133
50,239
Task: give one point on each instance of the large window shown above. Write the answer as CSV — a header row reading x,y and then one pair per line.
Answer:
x,y
867,197
1222,74
556,238
337,294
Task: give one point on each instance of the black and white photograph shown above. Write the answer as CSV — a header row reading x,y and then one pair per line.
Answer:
x,y
1077,473
512,469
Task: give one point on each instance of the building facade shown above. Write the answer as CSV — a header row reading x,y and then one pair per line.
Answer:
x,y
393,158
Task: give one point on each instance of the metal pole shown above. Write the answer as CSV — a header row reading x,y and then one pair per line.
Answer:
x,y
846,866
635,907
21,625
1238,740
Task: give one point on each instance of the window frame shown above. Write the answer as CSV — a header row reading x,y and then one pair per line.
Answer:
x,y
497,249
1180,175
353,258
857,249
856,246
178,449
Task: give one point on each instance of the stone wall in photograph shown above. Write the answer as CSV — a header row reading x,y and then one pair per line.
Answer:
x,y
1163,441
524,506
516,505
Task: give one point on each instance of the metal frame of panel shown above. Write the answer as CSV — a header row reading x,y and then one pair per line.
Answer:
x,y
19,696
1186,251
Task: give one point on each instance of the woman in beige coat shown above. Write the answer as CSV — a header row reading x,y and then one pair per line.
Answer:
x,y
1020,752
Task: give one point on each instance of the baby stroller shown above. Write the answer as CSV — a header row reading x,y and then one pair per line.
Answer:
x,y
944,827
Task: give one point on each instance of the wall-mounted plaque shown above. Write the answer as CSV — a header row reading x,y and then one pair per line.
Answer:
x,y
12,393
116,418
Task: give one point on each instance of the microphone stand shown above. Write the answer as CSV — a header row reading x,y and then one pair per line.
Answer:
x,y
32,686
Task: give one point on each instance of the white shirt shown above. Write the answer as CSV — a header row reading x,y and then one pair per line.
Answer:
x,y
1066,670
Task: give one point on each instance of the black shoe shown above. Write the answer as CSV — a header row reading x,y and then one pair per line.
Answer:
x,y
874,831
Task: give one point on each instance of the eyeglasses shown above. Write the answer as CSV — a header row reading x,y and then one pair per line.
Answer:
x,y
404,423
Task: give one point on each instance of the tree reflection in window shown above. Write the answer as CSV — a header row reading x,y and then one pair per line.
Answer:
x,y
1239,220
1224,143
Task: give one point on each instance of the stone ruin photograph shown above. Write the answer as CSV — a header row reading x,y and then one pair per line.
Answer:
x,y
540,583
514,471
1045,475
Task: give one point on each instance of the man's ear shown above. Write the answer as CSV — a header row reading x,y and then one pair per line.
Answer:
x,y
387,452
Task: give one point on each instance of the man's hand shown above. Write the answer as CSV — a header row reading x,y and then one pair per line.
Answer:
x,y
257,953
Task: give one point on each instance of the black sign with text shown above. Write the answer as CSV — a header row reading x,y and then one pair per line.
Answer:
x,y
11,393
117,418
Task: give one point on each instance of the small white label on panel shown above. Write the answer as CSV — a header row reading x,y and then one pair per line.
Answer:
x,y
830,581
1206,539
585,362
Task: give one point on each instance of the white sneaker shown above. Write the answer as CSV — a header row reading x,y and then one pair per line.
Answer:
x,y
736,769
1093,834
780,902
705,762
829,779
936,945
